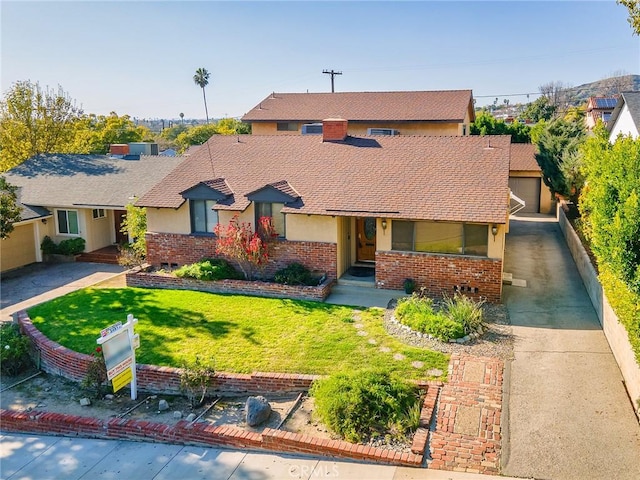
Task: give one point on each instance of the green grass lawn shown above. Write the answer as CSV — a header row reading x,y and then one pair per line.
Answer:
x,y
242,334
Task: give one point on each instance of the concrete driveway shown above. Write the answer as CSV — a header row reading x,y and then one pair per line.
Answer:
x,y
40,282
569,416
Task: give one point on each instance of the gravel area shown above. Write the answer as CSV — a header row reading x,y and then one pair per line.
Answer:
x,y
496,341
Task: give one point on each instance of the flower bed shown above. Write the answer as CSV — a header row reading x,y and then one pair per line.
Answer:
x,y
143,277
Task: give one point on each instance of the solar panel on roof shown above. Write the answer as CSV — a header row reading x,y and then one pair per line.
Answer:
x,y
606,102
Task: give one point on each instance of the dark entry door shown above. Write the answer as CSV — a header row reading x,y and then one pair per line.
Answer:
x,y
118,217
366,239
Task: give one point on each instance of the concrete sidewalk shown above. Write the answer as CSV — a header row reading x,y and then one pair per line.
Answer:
x,y
569,414
29,457
41,282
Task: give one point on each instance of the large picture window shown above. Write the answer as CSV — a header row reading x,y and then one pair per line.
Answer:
x,y
272,210
203,217
440,237
67,221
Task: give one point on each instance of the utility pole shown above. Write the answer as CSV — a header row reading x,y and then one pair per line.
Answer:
x,y
333,74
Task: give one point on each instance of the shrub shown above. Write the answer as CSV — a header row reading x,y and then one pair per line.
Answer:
x,y
294,274
14,350
465,311
71,246
94,380
208,269
48,246
365,404
409,285
196,379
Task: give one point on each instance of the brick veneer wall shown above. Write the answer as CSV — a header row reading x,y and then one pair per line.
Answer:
x,y
441,274
59,360
172,248
138,278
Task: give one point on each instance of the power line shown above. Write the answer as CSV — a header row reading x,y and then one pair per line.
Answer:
x,y
333,73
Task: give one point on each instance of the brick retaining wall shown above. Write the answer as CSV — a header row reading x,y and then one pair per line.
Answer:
x,y
441,274
139,278
178,249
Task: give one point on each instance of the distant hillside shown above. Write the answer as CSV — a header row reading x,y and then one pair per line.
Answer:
x,y
605,87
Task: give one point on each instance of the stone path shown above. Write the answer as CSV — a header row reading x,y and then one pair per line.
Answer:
x,y
467,436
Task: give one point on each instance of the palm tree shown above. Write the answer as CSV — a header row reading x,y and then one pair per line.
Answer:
x,y
201,78
182,117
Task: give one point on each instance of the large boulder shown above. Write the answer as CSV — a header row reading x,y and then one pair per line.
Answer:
x,y
257,410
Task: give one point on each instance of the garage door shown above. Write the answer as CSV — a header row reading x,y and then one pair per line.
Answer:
x,y
528,189
19,249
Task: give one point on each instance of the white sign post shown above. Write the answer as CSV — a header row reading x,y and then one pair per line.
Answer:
x,y
119,345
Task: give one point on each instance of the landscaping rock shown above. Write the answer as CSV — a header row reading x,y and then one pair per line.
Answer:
x,y
85,402
257,410
108,397
163,405
191,417
177,415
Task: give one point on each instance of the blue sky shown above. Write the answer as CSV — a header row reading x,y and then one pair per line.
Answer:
x,y
139,57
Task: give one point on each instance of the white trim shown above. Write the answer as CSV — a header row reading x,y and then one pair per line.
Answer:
x,y
36,239
58,232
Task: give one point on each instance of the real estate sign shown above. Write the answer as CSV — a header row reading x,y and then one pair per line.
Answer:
x,y
118,347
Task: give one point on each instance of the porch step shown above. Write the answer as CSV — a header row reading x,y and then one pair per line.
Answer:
x,y
98,258
507,278
358,282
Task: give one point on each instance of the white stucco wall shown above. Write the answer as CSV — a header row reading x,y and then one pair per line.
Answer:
x,y
624,125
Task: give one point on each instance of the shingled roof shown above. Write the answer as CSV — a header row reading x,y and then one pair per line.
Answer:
x,y
422,178
433,106
87,180
632,100
523,157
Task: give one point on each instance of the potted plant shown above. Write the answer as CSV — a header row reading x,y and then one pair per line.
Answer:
x,y
409,286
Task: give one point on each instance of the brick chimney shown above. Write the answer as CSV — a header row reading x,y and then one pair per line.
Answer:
x,y
334,129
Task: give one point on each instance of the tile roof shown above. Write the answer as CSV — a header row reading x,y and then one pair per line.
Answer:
x,y
437,106
632,101
87,180
523,157
412,177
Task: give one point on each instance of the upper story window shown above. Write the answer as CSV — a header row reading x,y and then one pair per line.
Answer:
x,y
67,222
272,210
440,237
287,127
98,213
203,217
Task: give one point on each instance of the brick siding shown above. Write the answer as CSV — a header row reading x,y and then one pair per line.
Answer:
x,y
177,249
137,278
441,274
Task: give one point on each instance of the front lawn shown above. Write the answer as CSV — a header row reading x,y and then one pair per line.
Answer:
x,y
243,334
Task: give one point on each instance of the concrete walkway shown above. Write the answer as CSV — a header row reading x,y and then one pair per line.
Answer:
x,y
569,415
355,296
28,457
41,282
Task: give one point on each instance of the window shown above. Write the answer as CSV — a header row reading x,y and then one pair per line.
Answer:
x,y
606,116
67,221
440,237
203,217
272,210
98,213
287,127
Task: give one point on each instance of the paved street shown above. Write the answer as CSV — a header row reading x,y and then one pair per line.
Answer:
x,y
569,414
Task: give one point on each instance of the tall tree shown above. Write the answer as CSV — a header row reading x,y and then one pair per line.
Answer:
x,y
487,124
9,209
94,133
182,118
634,13
34,120
539,109
201,78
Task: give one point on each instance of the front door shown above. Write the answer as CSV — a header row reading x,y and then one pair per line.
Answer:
x,y
118,217
366,239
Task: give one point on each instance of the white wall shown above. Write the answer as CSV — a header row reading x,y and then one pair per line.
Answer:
x,y
624,124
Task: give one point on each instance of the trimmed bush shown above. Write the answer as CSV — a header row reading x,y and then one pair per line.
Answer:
x,y
295,274
48,246
365,404
72,246
208,269
14,350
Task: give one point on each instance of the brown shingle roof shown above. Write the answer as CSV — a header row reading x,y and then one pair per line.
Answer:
x,y
437,106
412,177
523,157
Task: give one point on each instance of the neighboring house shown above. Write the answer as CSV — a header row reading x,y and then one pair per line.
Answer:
x,y
625,118
67,196
525,180
393,113
430,208
599,108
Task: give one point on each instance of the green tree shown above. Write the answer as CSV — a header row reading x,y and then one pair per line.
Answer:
x,y
135,225
34,120
231,126
172,133
634,14
94,133
201,78
9,209
539,109
557,143
487,124
195,136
